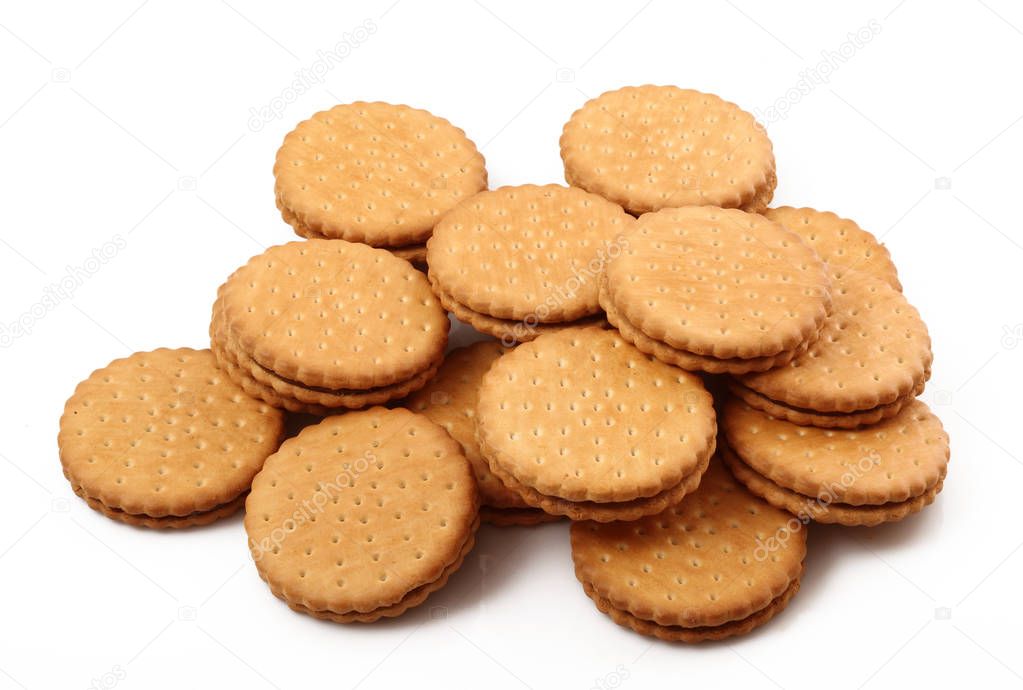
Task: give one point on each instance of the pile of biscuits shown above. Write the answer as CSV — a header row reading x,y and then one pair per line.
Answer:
x,y
686,375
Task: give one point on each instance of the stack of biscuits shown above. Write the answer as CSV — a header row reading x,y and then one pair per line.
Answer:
x,y
327,325
686,375
716,290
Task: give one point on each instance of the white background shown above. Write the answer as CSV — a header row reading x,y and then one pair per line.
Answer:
x,y
131,124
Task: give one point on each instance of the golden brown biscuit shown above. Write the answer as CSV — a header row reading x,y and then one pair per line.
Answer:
x,y
324,399
362,515
334,314
415,254
891,462
526,252
450,401
198,519
653,147
376,173
164,439
688,360
607,511
678,633
582,416
840,242
719,283
823,508
824,420
873,350
703,569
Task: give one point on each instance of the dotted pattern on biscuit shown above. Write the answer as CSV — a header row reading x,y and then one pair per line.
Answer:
x,y
414,598
361,509
719,282
840,242
894,460
449,400
164,434
584,416
376,173
526,252
334,314
873,350
653,147
699,563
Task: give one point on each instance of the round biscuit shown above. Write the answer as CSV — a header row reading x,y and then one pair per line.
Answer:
x,y
714,558
319,398
582,415
677,633
334,314
360,510
377,173
164,434
897,459
653,147
719,283
822,509
526,252
687,360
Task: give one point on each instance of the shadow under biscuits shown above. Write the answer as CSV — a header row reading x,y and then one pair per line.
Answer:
x,y
501,555
893,535
830,545
826,546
